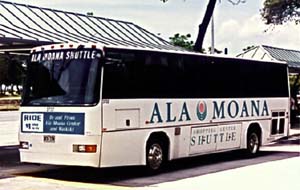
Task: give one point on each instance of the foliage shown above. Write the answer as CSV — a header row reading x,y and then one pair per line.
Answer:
x,y
248,48
11,72
182,41
3,70
295,82
281,11
90,14
205,21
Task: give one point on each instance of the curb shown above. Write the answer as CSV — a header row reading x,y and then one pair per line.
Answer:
x,y
9,104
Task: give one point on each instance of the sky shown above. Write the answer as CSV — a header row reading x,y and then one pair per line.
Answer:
x,y
236,26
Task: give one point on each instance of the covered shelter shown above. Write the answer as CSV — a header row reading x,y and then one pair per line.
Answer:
x,y
269,53
25,26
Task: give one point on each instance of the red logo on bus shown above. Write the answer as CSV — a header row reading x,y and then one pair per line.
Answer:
x,y
201,110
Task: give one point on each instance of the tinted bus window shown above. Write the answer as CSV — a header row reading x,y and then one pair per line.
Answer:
x,y
138,74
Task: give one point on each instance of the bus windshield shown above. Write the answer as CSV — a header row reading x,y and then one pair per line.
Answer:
x,y
62,77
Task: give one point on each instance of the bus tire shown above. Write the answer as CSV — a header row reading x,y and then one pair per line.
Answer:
x,y
155,155
253,143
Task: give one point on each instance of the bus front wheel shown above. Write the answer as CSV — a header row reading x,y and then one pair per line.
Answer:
x,y
155,155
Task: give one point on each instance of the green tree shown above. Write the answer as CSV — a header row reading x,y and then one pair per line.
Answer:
x,y
281,11
182,41
11,72
3,74
248,48
205,21
185,42
90,14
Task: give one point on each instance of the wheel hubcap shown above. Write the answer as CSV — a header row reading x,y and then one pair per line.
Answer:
x,y
253,143
155,156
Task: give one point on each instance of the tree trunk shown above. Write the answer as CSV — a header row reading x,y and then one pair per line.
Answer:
x,y
203,26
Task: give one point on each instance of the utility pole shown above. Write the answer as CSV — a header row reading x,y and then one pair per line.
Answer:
x,y
212,50
212,22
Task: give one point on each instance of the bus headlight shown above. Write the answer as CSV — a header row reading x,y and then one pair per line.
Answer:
x,y
85,148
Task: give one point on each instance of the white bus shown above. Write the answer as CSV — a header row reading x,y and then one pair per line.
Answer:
x,y
91,105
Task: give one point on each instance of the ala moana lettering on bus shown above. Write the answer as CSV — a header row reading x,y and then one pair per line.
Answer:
x,y
63,55
220,110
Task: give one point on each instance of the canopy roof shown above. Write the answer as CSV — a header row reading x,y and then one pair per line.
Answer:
x,y
24,26
292,57
264,52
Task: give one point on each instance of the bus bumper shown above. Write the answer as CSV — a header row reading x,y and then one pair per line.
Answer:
x,y
62,150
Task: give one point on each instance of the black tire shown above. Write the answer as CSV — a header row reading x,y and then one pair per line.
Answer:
x,y
155,156
253,143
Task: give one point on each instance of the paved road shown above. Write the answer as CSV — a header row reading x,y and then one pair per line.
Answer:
x,y
216,171
9,127
223,170
9,116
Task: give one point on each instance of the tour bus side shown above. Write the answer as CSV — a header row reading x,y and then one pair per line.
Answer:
x,y
161,106
139,107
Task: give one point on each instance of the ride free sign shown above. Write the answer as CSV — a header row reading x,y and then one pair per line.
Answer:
x,y
59,123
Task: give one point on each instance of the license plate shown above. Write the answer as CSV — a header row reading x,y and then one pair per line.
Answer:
x,y
49,139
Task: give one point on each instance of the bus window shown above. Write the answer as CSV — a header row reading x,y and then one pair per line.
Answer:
x,y
57,81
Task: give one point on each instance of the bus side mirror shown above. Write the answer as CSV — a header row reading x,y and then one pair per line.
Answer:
x,y
110,61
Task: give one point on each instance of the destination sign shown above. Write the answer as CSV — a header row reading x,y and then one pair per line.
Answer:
x,y
70,54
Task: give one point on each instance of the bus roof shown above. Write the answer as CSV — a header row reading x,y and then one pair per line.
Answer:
x,y
175,51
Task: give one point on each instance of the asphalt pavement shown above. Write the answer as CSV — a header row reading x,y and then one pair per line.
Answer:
x,y
277,167
9,127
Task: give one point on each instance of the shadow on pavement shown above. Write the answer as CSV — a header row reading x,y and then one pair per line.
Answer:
x,y
175,170
291,141
9,156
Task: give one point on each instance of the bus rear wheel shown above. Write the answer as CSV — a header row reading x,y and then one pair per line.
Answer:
x,y
155,155
253,143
